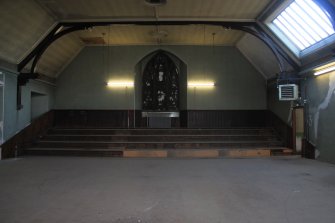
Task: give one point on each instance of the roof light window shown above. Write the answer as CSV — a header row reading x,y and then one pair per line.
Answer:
x,y
303,23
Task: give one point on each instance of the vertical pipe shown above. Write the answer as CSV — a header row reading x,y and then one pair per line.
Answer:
x,y
134,106
127,99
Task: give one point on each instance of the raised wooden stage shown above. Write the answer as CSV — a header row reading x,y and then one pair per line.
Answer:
x,y
196,134
198,143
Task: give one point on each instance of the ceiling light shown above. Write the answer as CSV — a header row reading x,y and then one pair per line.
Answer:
x,y
200,84
120,84
324,70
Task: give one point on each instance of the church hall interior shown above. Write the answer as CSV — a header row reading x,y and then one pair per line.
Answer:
x,y
167,111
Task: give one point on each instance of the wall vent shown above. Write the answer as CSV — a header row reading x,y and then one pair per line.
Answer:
x,y
288,92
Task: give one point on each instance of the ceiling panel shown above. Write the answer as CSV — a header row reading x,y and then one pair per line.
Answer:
x,y
105,9
176,35
23,23
260,56
225,9
201,35
58,55
93,9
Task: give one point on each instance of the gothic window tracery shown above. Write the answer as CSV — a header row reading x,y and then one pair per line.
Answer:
x,y
160,84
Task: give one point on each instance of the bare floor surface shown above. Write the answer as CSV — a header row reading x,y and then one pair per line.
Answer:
x,y
109,190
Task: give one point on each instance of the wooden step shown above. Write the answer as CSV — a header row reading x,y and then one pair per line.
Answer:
x,y
112,152
179,143
234,131
156,145
158,153
158,138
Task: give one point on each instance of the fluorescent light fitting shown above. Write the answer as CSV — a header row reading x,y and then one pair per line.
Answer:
x,y
325,70
120,84
201,84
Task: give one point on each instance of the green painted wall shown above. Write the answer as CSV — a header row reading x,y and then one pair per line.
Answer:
x,y
82,84
39,104
281,108
320,94
15,120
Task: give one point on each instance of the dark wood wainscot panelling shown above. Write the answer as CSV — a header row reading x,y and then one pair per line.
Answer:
x,y
183,118
14,146
283,129
94,118
224,118
102,119
188,119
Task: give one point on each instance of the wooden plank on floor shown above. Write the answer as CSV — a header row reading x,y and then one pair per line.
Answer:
x,y
287,151
194,153
245,153
145,153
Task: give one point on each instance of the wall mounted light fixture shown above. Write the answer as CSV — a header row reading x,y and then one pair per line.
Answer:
x,y
200,84
120,84
325,69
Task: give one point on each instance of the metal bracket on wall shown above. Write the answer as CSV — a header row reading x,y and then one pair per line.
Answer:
x,y
289,78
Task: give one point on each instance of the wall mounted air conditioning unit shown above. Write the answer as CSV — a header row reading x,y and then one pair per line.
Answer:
x,y
288,92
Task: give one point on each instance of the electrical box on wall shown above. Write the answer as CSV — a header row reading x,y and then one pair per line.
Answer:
x,y
288,92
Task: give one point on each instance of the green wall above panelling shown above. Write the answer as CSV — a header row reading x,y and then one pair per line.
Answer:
x,y
238,85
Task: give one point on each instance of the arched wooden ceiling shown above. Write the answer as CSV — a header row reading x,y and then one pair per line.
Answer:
x,y
80,10
25,23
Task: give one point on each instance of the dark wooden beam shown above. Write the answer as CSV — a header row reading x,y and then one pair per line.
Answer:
x,y
278,49
68,27
65,28
23,78
33,53
75,26
44,46
161,23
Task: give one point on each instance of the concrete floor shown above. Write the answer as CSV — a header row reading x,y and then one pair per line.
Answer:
x,y
78,189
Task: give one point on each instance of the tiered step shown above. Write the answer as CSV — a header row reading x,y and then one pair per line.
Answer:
x,y
159,142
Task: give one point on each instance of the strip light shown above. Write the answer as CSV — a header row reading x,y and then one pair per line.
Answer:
x,y
120,84
201,84
325,70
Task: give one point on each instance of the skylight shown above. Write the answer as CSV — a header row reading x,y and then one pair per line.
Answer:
x,y
304,24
